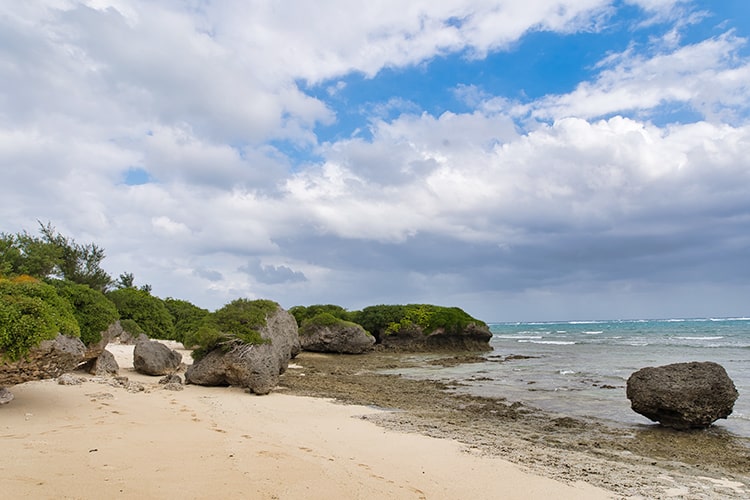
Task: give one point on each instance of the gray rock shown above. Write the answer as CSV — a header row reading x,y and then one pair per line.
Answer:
x,y
103,365
5,396
128,338
154,358
95,350
343,338
682,395
50,359
171,379
254,367
70,379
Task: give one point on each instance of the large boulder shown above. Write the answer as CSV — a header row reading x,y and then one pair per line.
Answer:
x,y
103,365
255,367
97,360
154,358
342,338
50,359
682,395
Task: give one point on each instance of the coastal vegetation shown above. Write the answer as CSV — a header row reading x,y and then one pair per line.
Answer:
x,y
52,284
234,324
53,255
92,310
383,320
323,319
148,311
30,312
302,313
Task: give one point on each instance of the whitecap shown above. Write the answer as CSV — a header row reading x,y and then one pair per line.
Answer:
x,y
566,372
594,332
553,342
699,338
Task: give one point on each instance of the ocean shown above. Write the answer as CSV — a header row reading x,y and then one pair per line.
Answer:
x,y
580,368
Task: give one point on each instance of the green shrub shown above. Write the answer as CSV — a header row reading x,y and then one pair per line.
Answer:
x,y
236,323
389,319
93,311
187,318
302,313
31,312
323,319
148,311
376,319
132,327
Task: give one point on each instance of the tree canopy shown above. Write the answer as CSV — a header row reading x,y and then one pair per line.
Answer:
x,y
53,255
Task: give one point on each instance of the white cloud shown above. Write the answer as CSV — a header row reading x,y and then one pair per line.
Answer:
x,y
603,175
709,76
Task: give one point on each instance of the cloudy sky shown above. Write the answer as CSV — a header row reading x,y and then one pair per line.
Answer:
x,y
524,160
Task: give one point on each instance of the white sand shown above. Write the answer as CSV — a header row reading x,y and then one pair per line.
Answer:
x,y
97,441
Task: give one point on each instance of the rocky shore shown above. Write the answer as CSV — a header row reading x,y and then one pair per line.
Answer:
x,y
641,462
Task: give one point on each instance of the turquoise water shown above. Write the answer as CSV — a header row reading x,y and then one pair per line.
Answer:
x,y
580,368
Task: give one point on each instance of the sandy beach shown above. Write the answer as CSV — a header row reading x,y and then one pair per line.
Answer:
x,y
95,440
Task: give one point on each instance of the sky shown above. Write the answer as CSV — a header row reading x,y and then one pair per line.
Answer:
x,y
525,161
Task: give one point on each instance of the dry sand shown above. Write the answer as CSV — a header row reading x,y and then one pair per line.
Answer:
x,y
98,441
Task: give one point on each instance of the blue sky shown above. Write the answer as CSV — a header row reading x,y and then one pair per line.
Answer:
x,y
537,160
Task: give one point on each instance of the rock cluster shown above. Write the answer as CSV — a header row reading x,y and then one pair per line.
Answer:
x,y
254,367
682,395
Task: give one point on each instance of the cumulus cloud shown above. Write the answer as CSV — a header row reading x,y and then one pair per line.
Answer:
x,y
710,77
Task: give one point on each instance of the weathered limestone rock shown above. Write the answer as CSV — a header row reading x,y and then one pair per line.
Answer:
x,y
104,364
474,337
93,351
343,338
70,379
172,378
154,358
682,395
255,367
50,359
5,396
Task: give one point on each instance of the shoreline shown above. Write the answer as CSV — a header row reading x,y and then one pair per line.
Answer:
x,y
335,427
100,439
646,461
